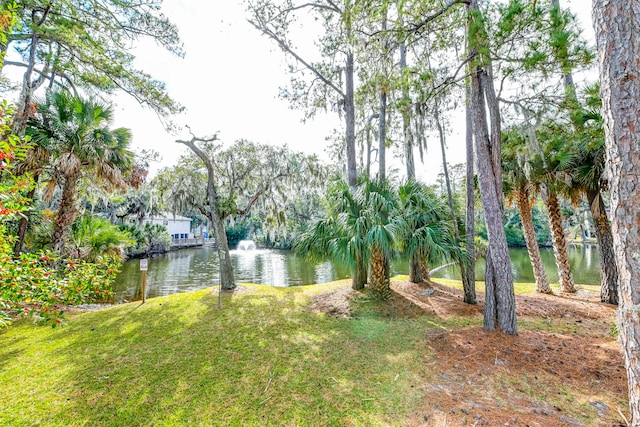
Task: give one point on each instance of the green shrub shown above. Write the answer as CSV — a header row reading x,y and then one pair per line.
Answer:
x,y
150,237
95,237
41,285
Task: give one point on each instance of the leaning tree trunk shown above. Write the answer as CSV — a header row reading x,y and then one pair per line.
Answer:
x,y
499,294
617,24
608,267
227,279
379,280
559,242
500,306
524,208
67,212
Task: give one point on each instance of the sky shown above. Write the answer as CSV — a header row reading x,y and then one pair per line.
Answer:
x,y
229,81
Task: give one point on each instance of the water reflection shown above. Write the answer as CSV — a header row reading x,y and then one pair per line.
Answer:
x,y
197,268
584,261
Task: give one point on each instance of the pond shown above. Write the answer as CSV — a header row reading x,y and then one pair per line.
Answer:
x,y
584,260
197,268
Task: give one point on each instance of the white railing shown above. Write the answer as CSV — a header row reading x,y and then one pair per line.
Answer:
x,y
199,241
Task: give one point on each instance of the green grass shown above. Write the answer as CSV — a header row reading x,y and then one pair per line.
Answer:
x,y
520,288
263,359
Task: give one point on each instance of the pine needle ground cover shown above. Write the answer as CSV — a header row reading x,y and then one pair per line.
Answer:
x,y
314,356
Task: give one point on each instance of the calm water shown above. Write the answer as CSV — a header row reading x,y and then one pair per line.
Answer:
x,y
192,269
584,260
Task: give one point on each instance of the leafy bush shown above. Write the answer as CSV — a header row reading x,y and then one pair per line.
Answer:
x,y
146,239
40,285
157,236
139,245
96,237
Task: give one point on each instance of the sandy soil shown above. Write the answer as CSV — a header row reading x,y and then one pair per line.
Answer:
x,y
573,376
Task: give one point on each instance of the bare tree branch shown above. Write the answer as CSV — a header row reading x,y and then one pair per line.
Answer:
x,y
286,48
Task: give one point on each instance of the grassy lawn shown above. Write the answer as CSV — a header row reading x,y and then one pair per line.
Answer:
x,y
520,288
263,359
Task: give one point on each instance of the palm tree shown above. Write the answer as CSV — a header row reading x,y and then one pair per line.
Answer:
x,y
340,236
589,176
418,210
427,233
95,237
381,216
553,173
83,146
35,162
519,188
361,229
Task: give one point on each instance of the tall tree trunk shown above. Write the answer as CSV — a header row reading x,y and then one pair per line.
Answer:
x,y
523,201
608,267
67,211
559,242
617,25
350,123
468,271
445,167
29,84
500,308
561,53
500,295
369,144
417,271
227,279
382,135
465,265
406,119
25,110
382,120
379,280
349,104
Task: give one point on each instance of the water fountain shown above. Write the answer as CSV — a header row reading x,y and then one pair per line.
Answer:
x,y
246,245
